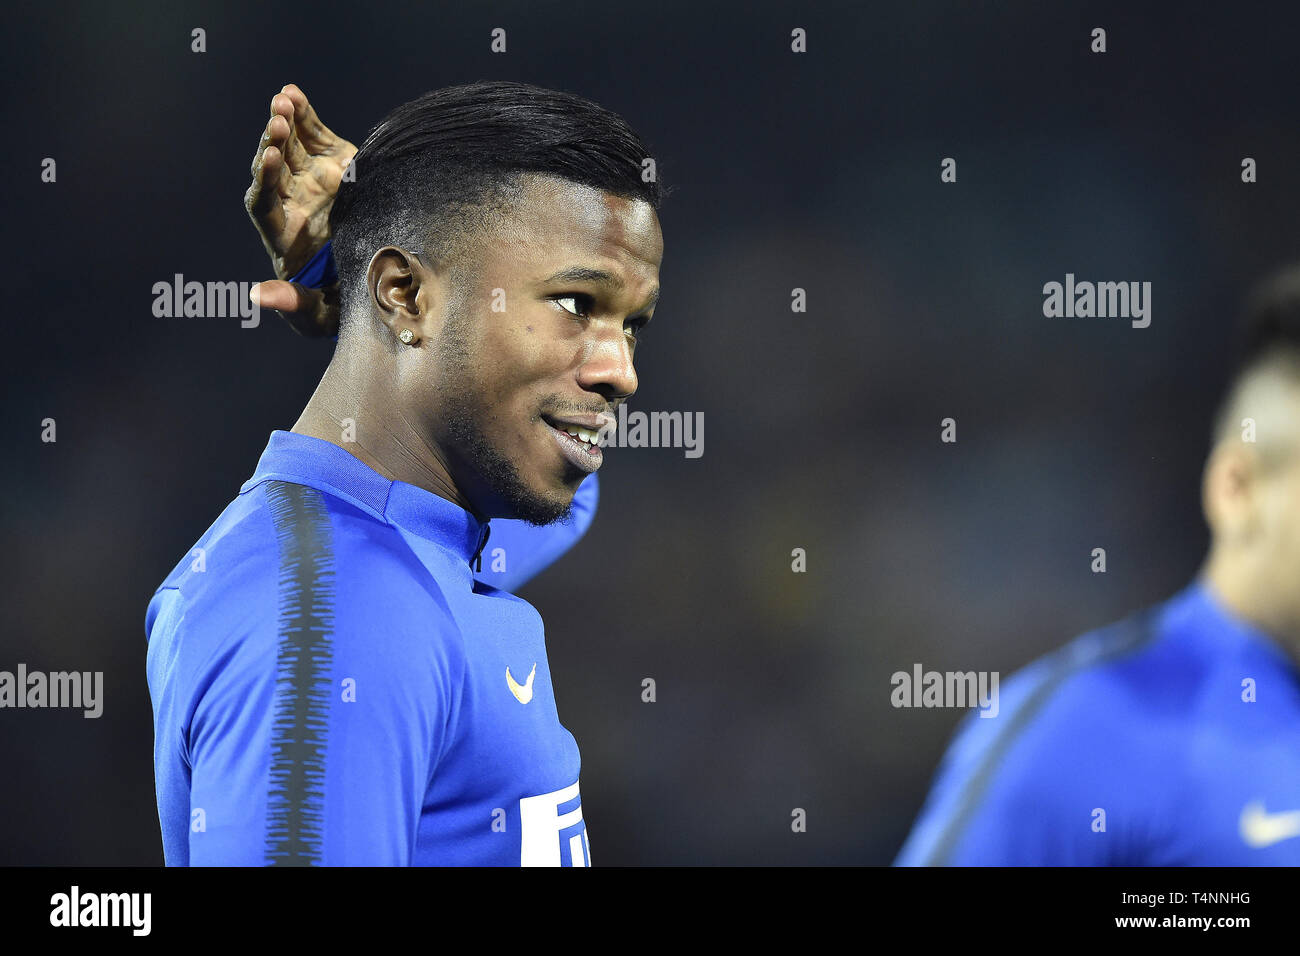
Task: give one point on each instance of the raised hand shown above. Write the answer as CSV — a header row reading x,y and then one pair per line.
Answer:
x,y
296,174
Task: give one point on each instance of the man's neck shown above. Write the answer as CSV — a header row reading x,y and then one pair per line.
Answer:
x,y
361,414
1236,588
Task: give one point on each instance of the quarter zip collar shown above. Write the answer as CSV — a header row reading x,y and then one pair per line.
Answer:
x,y
316,463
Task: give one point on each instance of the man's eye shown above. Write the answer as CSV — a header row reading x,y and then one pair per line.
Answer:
x,y
581,303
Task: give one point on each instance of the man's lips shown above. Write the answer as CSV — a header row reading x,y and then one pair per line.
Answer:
x,y
580,449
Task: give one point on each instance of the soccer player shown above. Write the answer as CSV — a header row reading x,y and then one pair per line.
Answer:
x,y
297,170
1168,738
330,683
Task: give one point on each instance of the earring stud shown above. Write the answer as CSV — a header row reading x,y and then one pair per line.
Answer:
x,y
406,335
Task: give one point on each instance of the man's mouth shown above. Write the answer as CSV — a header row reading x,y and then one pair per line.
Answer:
x,y
576,438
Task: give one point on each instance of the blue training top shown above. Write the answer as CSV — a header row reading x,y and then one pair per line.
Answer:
x,y
332,686
1168,739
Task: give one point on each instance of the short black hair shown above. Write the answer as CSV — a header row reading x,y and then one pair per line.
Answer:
x,y
432,172
1270,321
1267,342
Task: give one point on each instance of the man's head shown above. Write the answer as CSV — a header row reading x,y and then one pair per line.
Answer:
x,y
513,231
1251,486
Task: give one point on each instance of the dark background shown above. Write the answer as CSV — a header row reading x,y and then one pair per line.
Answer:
x,y
818,171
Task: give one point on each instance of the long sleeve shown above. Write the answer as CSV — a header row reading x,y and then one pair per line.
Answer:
x,y
307,737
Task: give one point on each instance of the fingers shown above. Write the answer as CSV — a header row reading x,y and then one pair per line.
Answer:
x,y
280,295
284,110
263,198
277,128
270,181
310,312
315,135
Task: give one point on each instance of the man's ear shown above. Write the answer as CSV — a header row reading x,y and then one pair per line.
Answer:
x,y
400,286
1230,490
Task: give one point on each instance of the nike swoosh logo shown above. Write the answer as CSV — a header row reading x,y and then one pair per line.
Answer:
x,y
523,692
1260,828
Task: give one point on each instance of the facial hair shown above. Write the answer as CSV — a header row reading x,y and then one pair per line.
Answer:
x,y
462,412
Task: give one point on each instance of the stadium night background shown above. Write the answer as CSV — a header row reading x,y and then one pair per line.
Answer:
x,y
856,249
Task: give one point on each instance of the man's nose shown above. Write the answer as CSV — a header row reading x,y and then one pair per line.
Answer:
x,y
607,366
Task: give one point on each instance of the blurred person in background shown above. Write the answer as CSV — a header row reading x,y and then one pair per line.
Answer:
x,y
1168,738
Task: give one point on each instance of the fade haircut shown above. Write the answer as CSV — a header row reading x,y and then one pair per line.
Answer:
x,y
437,172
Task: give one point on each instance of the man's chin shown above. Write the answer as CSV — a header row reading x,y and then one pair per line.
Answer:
x,y
540,510
557,517
517,502
539,513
